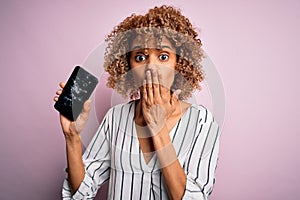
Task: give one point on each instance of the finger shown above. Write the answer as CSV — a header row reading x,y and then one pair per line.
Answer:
x,y
86,110
175,96
58,92
83,117
162,87
62,84
55,98
87,105
149,86
164,90
144,91
155,85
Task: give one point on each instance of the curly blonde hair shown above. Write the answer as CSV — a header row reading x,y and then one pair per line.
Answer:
x,y
164,21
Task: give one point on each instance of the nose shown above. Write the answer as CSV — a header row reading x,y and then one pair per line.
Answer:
x,y
152,62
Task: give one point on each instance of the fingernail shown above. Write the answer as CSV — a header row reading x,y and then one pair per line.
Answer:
x,y
88,101
148,73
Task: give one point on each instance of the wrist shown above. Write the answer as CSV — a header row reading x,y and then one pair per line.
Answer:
x,y
73,140
162,139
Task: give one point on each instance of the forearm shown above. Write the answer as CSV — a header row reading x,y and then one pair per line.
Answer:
x,y
174,176
75,165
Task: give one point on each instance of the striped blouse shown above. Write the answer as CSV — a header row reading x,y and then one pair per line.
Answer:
x,y
114,155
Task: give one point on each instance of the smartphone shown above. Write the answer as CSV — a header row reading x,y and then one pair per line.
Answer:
x,y
77,90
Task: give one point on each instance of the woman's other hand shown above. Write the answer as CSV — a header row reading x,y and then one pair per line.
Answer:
x,y
157,102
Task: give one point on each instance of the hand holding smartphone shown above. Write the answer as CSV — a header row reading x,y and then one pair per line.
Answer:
x,y
77,90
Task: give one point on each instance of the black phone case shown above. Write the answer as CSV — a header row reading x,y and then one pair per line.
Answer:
x,y
77,90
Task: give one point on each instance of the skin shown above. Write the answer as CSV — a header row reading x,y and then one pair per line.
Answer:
x,y
156,113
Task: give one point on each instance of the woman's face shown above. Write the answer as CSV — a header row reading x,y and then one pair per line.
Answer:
x,y
162,59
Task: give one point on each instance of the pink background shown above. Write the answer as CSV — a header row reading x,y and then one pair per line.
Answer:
x,y
253,44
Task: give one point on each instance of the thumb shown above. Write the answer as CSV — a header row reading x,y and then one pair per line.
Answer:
x,y
86,109
83,117
175,96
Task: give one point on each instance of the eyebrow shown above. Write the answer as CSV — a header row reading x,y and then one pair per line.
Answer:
x,y
166,47
136,47
162,47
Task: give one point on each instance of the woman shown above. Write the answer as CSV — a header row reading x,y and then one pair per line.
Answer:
x,y
157,146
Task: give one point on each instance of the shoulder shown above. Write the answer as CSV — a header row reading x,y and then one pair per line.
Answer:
x,y
208,126
203,114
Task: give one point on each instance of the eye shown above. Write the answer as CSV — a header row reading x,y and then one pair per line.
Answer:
x,y
140,58
163,57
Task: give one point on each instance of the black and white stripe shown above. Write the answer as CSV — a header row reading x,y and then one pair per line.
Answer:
x,y
114,154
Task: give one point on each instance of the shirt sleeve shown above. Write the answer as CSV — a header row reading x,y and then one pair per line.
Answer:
x,y
202,160
96,161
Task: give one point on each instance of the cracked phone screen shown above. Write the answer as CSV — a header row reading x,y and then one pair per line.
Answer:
x,y
77,90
